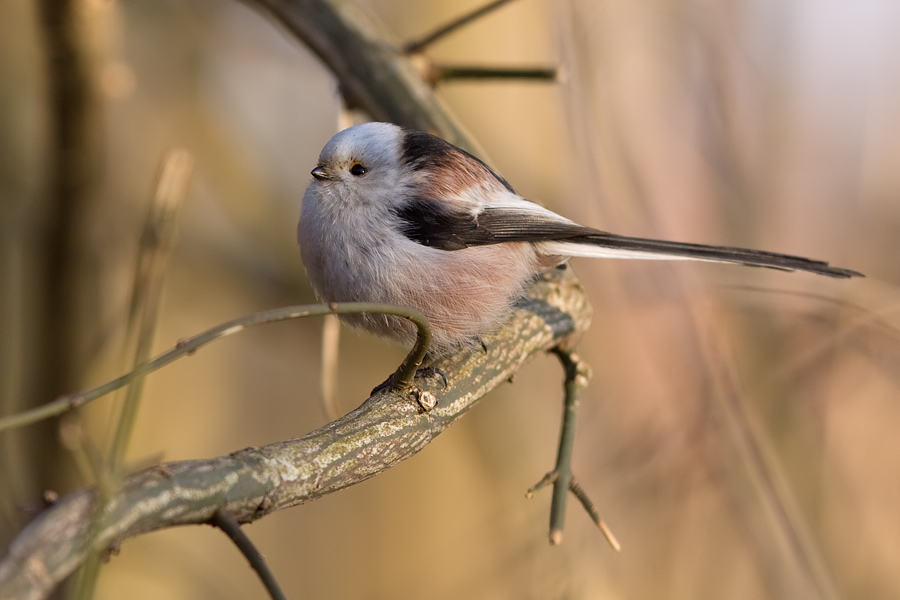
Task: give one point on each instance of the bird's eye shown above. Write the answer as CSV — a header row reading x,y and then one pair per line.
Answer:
x,y
357,170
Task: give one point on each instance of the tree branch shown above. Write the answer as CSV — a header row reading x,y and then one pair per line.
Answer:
x,y
386,429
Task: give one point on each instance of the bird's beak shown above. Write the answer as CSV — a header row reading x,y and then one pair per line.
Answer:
x,y
320,173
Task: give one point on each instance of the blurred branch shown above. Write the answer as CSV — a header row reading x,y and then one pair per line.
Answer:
x,y
442,73
448,28
61,311
157,242
331,335
252,483
71,167
761,471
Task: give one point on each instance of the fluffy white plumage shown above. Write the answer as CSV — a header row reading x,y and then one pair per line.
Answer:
x,y
402,217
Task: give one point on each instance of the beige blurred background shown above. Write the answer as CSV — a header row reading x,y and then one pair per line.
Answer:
x,y
771,124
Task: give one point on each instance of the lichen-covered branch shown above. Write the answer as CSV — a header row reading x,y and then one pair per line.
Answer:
x,y
251,483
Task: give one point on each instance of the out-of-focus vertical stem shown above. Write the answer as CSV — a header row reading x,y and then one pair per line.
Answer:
x,y
157,243
71,165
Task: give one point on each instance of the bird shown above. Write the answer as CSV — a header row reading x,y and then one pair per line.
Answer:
x,y
397,216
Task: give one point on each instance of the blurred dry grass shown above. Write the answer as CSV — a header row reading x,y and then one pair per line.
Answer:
x,y
763,124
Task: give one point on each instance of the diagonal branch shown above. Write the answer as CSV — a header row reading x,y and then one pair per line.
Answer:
x,y
385,430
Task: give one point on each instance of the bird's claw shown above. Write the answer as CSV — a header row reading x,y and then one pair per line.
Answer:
x,y
431,373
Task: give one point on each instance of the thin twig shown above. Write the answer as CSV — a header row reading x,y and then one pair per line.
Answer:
x,y
592,511
420,44
443,73
563,467
401,378
224,520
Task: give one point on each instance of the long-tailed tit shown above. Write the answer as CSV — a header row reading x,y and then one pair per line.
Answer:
x,y
402,217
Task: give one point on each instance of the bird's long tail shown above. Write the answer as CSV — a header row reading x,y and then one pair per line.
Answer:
x,y
600,244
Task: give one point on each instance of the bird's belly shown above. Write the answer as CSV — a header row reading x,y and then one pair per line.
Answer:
x,y
463,294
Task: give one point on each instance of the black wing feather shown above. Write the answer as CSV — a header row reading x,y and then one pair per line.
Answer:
x,y
432,223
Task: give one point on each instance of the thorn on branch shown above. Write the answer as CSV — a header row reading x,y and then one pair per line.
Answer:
x,y
549,478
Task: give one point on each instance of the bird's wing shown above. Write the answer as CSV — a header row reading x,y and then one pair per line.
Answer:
x,y
438,224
